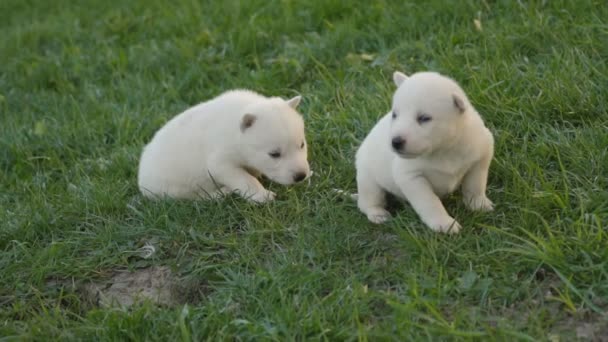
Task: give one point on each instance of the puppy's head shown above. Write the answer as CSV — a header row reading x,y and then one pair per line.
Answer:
x,y
272,140
427,115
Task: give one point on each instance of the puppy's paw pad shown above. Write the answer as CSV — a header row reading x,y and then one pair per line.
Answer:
x,y
378,216
263,197
453,229
449,226
479,203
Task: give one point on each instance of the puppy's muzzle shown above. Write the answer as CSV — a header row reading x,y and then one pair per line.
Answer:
x,y
299,176
398,143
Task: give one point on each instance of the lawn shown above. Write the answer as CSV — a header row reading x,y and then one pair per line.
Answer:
x,y
85,84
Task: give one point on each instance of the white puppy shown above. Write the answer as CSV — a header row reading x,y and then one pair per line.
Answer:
x,y
223,145
431,142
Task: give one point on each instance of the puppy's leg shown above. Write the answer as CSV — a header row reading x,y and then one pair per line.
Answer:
x,y
474,186
427,205
371,199
235,179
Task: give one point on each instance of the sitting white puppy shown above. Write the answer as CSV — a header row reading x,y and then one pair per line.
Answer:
x,y
432,141
223,145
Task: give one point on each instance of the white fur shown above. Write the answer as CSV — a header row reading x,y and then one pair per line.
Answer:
x,y
223,145
453,149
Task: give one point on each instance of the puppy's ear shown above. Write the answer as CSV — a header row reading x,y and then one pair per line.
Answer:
x,y
399,77
294,101
459,103
247,121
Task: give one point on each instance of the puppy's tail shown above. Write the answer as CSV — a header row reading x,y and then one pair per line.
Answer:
x,y
352,196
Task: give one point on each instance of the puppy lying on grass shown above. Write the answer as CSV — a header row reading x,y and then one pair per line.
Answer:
x,y
429,144
223,146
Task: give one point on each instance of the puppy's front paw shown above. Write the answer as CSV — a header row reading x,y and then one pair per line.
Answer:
x,y
447,225
479,203
378,215
263,196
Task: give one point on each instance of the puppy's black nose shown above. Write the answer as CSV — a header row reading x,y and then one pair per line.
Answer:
x,y
298,177
398,143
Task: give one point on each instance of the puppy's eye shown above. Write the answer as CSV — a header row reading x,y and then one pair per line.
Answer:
x,y
394,115
302,145
422,118
275,154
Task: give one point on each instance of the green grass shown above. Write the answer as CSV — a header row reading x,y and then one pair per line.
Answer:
x,y
84,85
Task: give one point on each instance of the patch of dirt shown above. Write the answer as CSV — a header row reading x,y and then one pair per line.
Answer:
x,y
156,284
592,331
124,288
582,325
